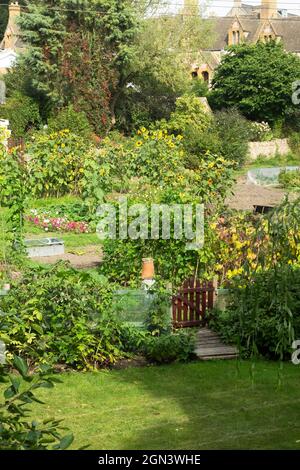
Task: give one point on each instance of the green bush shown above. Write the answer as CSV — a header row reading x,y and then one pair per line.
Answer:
x,y
133,339
199,88
17,429
189,112
60,316
294,142
177,347
289,179
198,144
162,349
159,319
260,131
264,316
75,121
22,113
234,133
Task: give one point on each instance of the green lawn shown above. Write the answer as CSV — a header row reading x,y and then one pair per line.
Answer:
x,y
210,405
72,240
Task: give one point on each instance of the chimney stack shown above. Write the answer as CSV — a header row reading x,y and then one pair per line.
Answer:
x,y
12,29
268,9
14,10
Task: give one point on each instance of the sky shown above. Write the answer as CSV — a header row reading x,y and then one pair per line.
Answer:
x,y
221,7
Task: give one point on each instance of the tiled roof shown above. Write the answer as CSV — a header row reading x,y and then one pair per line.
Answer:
x,y
286,28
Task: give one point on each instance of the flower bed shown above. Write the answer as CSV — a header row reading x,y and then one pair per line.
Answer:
x,y
56,224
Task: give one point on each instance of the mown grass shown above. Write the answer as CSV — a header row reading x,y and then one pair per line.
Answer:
x,y
210,405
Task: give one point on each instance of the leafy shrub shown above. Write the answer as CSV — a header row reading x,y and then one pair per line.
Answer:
x,y
159,319
190,111
75,121
199,88
133,339
22,113
294,142
55,163
163,349
257,78
260,131
168,348
59,315
264,316
289,179
198,144
17,432
233,130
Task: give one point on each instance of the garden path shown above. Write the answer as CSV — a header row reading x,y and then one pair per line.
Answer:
x,y
246,195
80,258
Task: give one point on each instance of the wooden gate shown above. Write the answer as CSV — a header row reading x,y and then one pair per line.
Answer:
x,y
16,142
191,303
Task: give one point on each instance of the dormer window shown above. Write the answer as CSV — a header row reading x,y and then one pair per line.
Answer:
x,y
268,37
236,36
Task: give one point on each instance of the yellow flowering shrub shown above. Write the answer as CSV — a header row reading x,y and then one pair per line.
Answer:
x,y
55,163
246,243
4,135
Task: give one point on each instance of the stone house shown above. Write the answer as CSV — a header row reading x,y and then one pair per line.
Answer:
x,y
249,24
11,44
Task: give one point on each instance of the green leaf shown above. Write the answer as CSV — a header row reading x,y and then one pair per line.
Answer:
x,y
9,393
65,442
21,366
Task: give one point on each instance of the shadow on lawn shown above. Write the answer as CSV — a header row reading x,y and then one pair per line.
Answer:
x,y
210,405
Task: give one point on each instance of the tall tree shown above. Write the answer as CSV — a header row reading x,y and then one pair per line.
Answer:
x,y
166,46
258,80
92,52
77,51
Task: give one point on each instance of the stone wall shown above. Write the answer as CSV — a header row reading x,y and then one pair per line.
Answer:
x,y
268,149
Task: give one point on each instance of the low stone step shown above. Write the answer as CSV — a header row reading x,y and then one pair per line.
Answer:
x,y
211,358
210,346
215,341
219,350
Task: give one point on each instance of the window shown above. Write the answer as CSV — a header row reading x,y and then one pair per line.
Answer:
x,y
205,76
268,37
236,37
